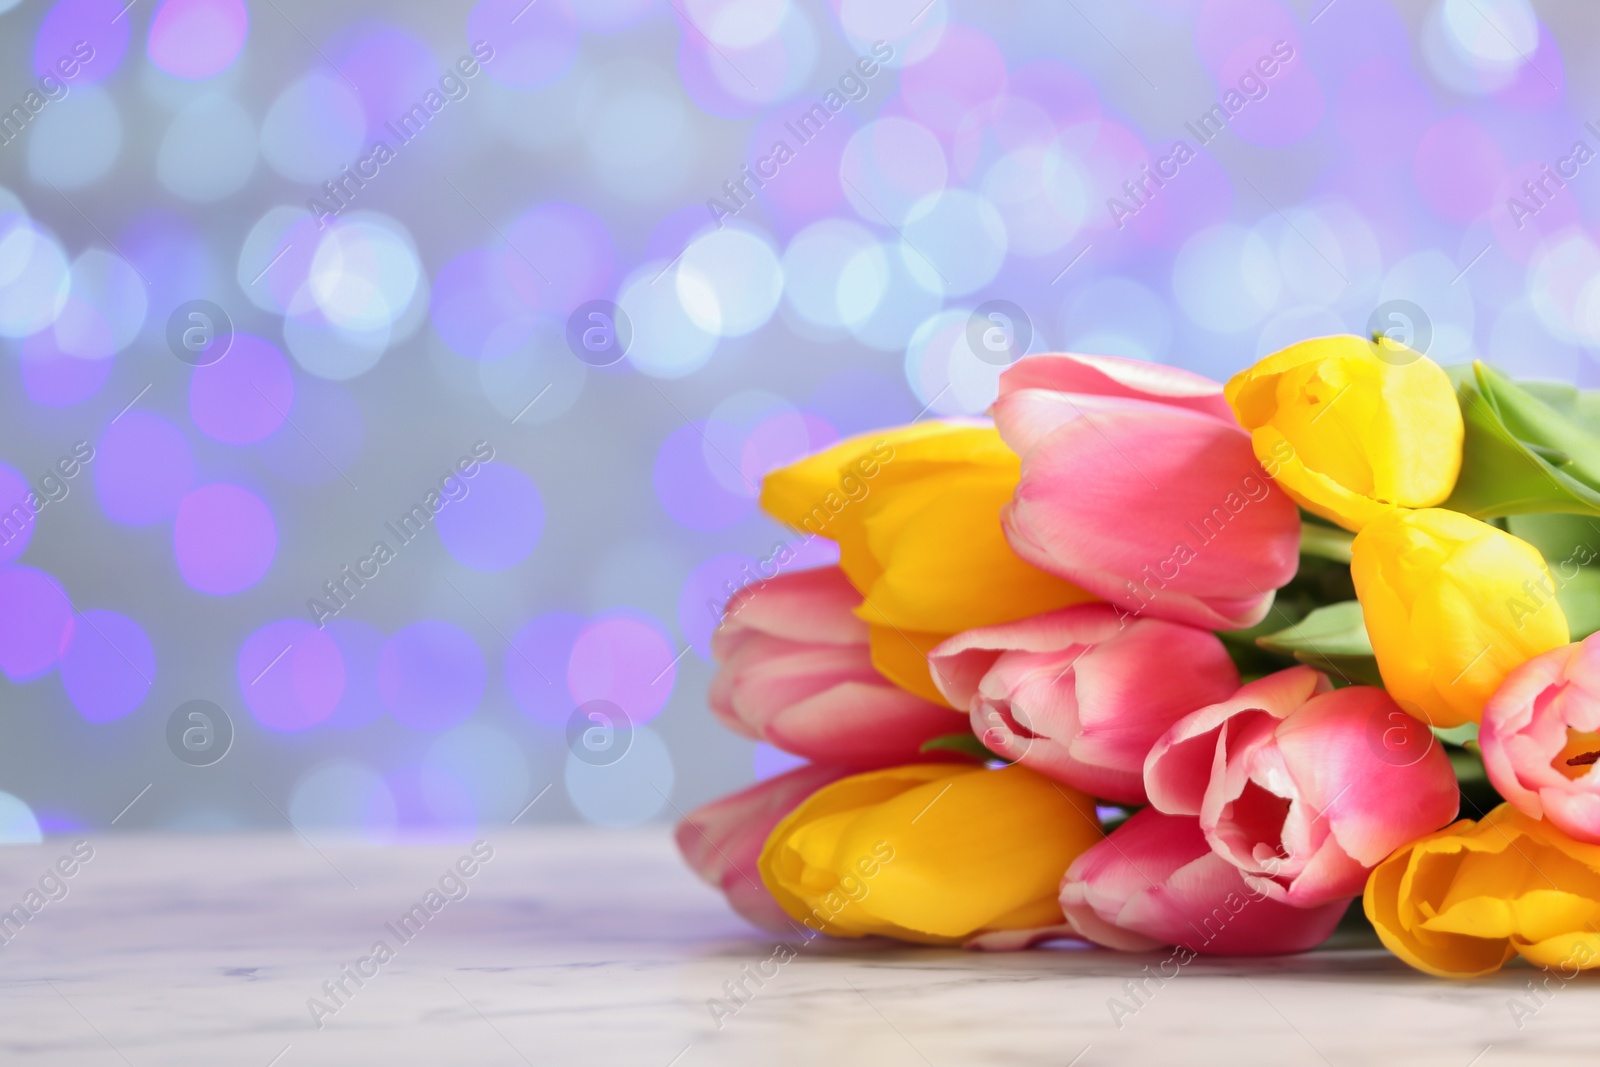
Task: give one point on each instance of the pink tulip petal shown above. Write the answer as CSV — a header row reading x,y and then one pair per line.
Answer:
x,y
862,725
795,670
1116,376
1155,881
961,662
1081,694
1161,510
722,841
1178,769
1524,737
1371,806
815,606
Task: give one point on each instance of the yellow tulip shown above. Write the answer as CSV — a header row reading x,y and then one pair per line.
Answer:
x,y
916,514
1462,901
1452,605
932,852
1350,430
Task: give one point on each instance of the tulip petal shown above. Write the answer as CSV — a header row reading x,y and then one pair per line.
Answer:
x,y
722,841
1116,376
1179,767
1155,881
862,725
813,606
1162,510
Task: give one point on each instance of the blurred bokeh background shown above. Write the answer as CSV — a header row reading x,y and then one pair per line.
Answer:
x,y
529,294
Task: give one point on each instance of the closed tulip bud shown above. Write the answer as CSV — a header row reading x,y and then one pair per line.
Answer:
x,y
722,841
794,671
1452,605
934,853
916,514
1461,902
1138,486
1352,431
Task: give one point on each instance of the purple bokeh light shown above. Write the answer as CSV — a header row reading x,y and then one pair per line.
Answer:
x,y
197,39
34,624
962,78
142,469
705,595
68,362
475,308
291,674
688,489
1459,168
245,395
87,37
392,71
536,666
497,524
533,44
224,539
625,659
107,665
572,251
431,675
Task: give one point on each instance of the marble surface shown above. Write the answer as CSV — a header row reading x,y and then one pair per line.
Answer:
x,y
581,946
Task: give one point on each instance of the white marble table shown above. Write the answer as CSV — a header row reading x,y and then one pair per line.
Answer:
x,y
580,946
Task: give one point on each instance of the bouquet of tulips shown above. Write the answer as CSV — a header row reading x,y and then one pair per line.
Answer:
x,y
1150,661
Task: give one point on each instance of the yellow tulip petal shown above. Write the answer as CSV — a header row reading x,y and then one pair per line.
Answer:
x,y
946,566
1351,431
1565,954
902,657
932,853
1452,605
1398,899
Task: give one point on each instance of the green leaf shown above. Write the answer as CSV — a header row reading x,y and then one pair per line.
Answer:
x,y
1529,447
1569,544
1333,639
965,743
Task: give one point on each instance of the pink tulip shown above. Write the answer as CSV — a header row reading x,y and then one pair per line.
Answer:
x,y
796,672
1139,486
1080,694
1156,881
1303,788
723,840
1546,713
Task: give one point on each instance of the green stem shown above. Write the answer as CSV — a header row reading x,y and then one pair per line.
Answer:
x,y
1325,542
